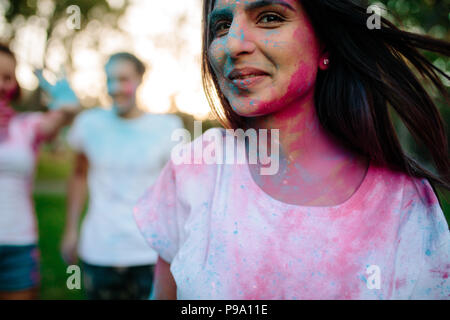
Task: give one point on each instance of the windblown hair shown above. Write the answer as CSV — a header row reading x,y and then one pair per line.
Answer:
x,y
370,71
6,50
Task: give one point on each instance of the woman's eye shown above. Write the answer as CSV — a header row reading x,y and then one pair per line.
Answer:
x,y
269,18
220,28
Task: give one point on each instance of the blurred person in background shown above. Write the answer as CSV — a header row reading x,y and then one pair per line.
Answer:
x,y
21,135
119,151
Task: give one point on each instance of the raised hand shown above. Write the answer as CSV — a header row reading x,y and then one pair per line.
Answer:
x,y
61,94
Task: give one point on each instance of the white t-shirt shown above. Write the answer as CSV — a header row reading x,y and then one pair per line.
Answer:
x,y
225,238
17,163
125,156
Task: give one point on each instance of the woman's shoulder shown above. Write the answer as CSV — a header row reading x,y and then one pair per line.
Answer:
x,y
412,188
194,154
28,121
194,163
421,209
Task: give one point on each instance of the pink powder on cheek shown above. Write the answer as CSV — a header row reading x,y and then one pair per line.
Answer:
x,y
130,88
299,84
304,77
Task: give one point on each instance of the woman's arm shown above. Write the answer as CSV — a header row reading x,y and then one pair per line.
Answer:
x,y
63,103
76,198
164,286
55,120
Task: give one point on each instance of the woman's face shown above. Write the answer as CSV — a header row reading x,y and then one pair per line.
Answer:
x,y
264,53
8,82
122,81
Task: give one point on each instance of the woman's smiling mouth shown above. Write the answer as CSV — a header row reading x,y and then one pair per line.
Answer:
x,y
244,78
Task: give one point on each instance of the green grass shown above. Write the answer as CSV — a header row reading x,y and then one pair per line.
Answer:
x,y
50,210
54,165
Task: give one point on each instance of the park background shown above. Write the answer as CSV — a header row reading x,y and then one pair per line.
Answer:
x,y
167,36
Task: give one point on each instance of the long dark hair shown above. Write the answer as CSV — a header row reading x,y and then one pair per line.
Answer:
x,y
6,50
370,70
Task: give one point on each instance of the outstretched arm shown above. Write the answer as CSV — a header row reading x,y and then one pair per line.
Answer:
x,y
64,106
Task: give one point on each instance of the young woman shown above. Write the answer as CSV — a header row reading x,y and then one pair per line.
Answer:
x,y
119,151
348,215
21,134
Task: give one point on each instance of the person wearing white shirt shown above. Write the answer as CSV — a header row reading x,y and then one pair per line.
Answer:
x,y
119,151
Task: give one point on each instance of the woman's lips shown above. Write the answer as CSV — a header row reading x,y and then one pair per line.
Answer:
x,y
248,82
245,78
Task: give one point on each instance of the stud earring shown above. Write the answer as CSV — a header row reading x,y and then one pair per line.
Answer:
x,y
326,61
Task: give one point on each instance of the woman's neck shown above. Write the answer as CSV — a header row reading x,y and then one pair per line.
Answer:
x,y
302,139
311,159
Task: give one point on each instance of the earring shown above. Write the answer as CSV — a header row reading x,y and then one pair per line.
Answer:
x,y
326,61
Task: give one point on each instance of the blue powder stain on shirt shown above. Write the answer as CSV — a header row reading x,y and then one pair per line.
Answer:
x,y
428,252
235,232
363,278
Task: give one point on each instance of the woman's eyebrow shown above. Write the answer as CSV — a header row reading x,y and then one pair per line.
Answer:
x,y
225,12
264,3
219,13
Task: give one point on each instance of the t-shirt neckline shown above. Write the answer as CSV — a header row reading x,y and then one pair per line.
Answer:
x,y
356,197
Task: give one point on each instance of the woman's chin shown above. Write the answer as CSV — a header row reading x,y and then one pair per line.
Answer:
x,y
252,108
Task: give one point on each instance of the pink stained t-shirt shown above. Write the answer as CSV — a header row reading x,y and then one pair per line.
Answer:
x,y
225,238
18,154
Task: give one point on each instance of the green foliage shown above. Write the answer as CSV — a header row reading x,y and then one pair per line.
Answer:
x,y
50,210
28,8
432,16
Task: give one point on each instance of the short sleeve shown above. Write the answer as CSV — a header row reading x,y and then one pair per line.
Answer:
x,y
75,136
425,248
433,282
30,126
160,216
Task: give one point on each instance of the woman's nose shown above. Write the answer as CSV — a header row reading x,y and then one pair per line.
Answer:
x,y
239,40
